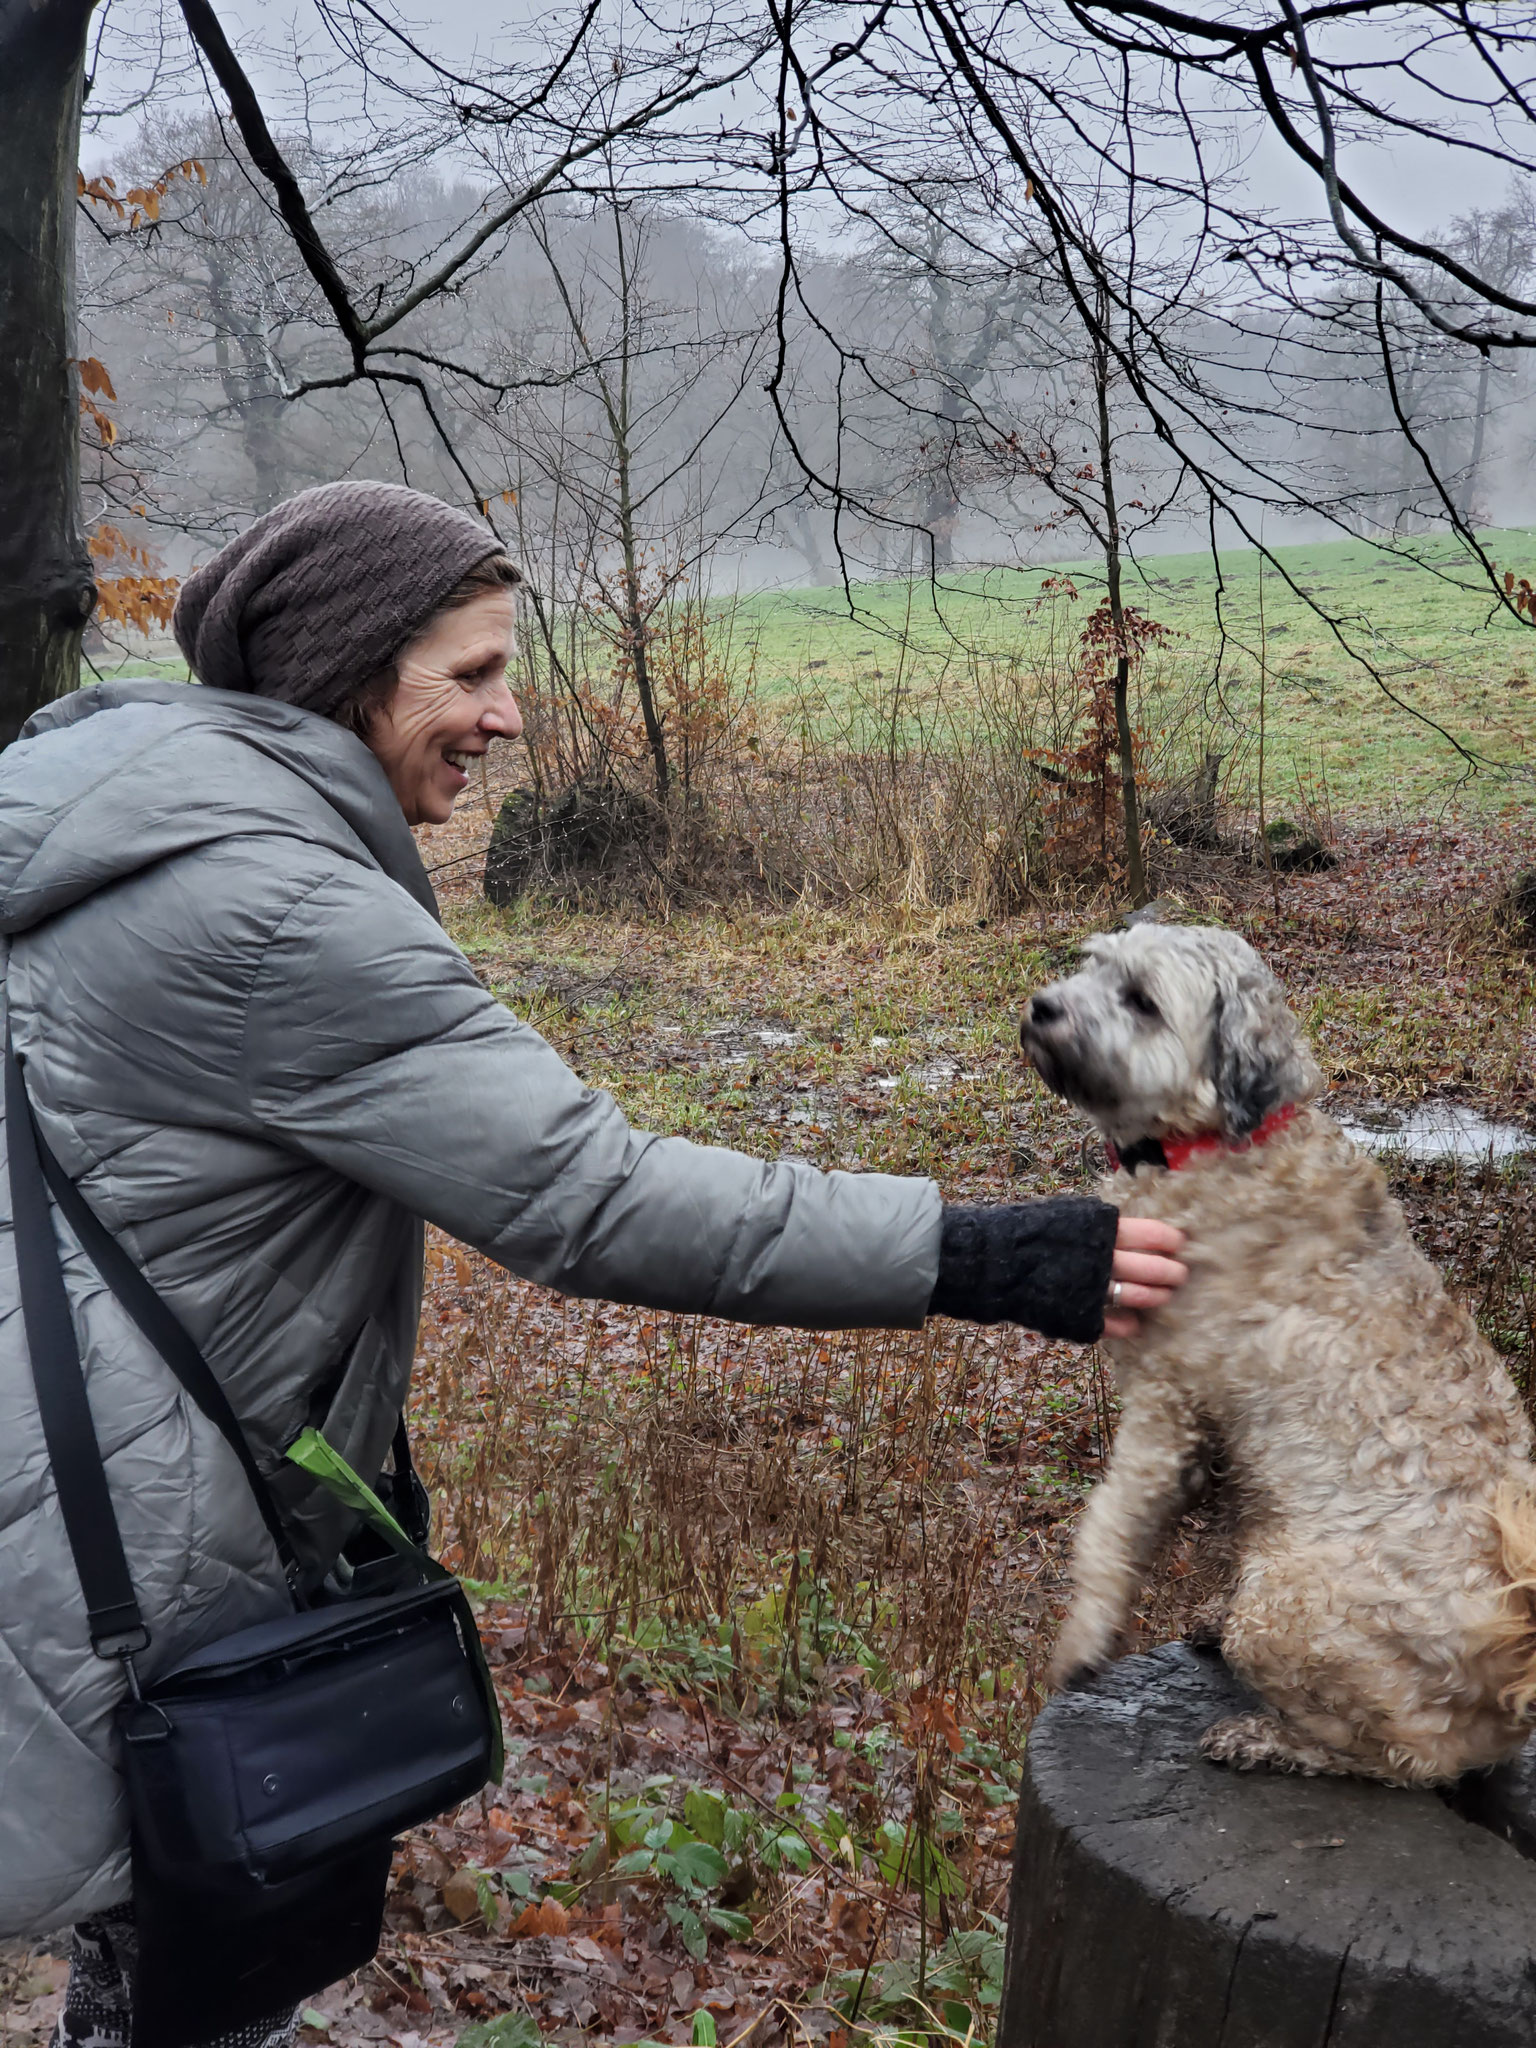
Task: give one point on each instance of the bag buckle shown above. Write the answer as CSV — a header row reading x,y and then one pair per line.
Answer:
x,y
124,1644
145,1721
118,1634
117,1630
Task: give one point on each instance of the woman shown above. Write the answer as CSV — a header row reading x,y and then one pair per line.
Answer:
x,y
249,1040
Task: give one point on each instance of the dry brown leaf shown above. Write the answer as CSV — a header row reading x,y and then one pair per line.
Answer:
x,y
851,1918
547,1917
461,1895
93,375
426,1860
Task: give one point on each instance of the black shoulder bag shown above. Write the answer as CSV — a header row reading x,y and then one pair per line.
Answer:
x,y
267,1772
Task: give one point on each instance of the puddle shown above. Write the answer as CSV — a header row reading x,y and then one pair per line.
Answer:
x,y
772,1038
1436,1130
774,1035
935,1077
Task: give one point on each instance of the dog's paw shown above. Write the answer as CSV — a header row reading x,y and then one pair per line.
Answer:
x,y
1073,1677
1080,1656
1243,1742
1207,1626
1256,1742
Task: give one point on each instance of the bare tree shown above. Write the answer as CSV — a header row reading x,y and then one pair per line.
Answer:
x,y
46,585
604,86
1014,107
617,449
951,319
1498,243
1036,101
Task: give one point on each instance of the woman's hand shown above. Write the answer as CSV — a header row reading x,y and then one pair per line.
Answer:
x,y
1146,1272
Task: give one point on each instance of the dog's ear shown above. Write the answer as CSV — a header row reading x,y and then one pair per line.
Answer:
x,y
1256,1060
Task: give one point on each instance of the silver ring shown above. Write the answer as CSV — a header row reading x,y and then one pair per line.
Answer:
x,y
1115,1293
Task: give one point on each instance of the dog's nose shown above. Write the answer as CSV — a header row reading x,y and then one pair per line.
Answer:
x,y
1045,1010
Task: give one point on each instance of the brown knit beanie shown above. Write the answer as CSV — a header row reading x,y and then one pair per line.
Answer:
x,y
324,590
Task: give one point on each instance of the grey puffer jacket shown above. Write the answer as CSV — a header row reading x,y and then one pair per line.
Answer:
x,y
250,1041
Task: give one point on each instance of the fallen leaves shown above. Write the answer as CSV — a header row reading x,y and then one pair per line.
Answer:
x,y
462,1896
615,1477
550,1917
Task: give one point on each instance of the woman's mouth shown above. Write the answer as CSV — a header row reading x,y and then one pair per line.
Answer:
x,y
459,761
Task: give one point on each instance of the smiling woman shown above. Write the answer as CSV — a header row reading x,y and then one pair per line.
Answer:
x,y
262,1063
447,698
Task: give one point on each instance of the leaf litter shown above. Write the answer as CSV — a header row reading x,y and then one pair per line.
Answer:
x,y
768,1611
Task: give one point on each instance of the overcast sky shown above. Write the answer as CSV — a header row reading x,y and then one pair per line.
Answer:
x,y
1418,184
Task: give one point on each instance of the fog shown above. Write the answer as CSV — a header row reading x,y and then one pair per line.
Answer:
x,y
902,382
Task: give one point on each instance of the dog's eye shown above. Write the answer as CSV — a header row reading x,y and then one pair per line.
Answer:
x,y
1138,1000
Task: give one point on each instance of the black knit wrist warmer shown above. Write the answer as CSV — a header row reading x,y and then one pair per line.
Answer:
x,y
1043,1264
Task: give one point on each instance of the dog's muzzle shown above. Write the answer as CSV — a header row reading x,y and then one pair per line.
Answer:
x,y
1044,1026
1046,1015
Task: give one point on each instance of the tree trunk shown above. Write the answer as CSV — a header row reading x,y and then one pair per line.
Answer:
x,y
636,620
1135,870
1467,496
1130,809
46,586
1161,1899
637,626
246,378
808,547
941,515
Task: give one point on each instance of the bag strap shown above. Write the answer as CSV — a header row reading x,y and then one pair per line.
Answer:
x,y
111,1605
408,1498
400,1452
53,1339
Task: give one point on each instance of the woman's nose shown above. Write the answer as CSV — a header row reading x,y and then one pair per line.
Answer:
x,y
501,717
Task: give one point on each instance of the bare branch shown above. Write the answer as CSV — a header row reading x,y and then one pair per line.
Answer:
x,y
210,38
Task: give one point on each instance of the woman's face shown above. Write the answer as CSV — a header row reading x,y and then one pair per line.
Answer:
x,y
452,702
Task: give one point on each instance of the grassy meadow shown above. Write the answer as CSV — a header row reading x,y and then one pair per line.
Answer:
x,y
1238,632
1435,640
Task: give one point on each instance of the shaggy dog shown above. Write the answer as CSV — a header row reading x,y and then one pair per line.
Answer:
x,y
1384,1604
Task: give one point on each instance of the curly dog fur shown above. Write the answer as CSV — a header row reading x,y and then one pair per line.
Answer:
x,y
1384,1604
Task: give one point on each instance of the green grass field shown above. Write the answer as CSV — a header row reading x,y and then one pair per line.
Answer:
x,y
1435,640
1334,736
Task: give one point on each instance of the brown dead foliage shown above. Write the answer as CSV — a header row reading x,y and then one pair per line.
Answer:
x,y
775,1566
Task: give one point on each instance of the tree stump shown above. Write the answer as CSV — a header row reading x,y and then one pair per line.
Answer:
x,y
1160,1901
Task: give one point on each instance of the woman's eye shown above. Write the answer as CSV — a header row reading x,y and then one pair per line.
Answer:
x,y
1138,1000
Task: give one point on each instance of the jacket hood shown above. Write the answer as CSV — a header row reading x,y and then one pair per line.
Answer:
x,y
117,777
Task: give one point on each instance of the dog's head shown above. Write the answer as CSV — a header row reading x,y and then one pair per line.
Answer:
x,y
1169,1028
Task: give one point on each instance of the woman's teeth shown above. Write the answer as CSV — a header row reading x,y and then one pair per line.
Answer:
x,y
459,761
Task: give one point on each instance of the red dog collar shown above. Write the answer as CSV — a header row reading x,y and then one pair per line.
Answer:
x,y
1175,1151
